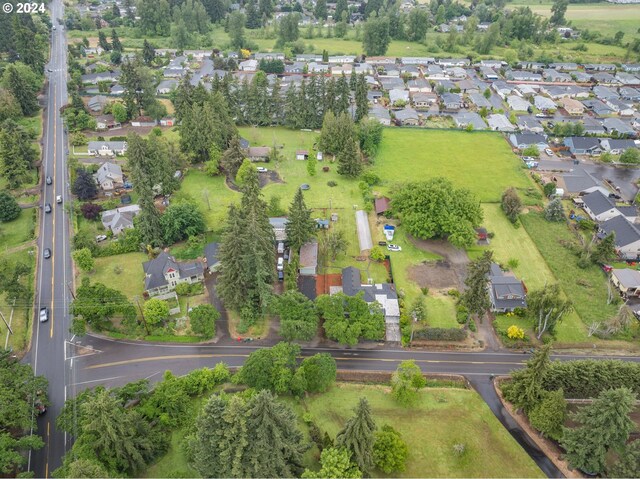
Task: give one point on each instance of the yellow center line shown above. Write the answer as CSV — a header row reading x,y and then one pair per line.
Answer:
x,y
201,356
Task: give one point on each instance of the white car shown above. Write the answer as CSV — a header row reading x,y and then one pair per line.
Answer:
x,y
280,264
394,247
261,169
548,151
44,314
59,199
101,238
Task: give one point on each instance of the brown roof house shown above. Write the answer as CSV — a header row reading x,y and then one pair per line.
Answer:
x,y
381,205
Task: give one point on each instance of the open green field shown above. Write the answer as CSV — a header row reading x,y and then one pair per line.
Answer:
x,y
130,281
605,18
442,418
18,231
481,162
587,287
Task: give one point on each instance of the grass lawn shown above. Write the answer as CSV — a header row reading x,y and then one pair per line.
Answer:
x,y
21,322
17,231
442,418
130,281
481,162
590,297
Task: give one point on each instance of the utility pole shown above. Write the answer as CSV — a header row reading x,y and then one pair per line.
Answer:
x,y
144,321
6,324
71,291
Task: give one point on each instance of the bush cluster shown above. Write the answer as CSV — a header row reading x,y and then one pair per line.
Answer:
x,y
441,334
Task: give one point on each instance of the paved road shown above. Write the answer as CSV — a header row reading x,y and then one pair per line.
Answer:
x,y
47,351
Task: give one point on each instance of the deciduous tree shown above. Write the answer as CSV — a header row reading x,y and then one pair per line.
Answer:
x,y
9,207
318,371
155,311
84,259
554,211
406,381
182,219
511,204
347,319
203,320
389,450
548,308
298,316
376,37
334,462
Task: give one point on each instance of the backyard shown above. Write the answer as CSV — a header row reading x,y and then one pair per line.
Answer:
x,y
442,418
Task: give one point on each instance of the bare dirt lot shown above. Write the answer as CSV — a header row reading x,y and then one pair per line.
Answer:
x,y
443,274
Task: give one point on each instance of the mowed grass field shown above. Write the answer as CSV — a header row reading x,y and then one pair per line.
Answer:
x,y
129,281
481,162
441,419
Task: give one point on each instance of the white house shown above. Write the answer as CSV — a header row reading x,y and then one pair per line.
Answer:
x,y
109,176
107,148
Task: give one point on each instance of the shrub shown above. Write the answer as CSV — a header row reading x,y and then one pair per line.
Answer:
x,y
91,211
377,254
425,290
515,332
332,183
441,334
462,313
325,169
370,178
587,378
454,293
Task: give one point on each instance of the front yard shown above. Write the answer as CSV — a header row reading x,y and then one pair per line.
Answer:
x,y
122,272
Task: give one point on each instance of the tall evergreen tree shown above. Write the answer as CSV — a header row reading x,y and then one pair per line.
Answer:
x,y
320,10
148,52
103,42
231,277
341,6
266,8
604,425
205,444
254,19
350,159
17,154
362,101
358,436
300,228
343,96
22,83
115,41
276,447
476,296
232,158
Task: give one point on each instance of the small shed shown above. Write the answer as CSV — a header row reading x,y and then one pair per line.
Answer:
x,y
381,205
302,154
308,259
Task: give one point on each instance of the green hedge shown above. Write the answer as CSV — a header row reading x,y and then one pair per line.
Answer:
x,y
441,334
582,379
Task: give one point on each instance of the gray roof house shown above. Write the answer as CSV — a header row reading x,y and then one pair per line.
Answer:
x,y
499,122
107,148
479,100
212,262
604,92
543,103
278,224
381,114
523,140
382,293
616,147
581,182
530,124
599,207
423,100
582,145
465,118
627,281
451,101
506,292
109,176
627,236
599,107
164,273
398,95
97,103
407,116
309,259
119,219
616,124
517,103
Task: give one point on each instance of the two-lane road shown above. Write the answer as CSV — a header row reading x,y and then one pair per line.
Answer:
x,y
47,351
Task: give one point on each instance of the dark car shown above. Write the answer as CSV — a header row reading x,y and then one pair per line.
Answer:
x,y
382,243
280,276
47,208
49,180
47,253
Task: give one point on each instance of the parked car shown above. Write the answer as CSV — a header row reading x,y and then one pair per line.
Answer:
x,y
59,199
44,314
394,247
47,253
49,180
280,247
280,275
286,254
261,169
101,238
548,151
280,264
47,208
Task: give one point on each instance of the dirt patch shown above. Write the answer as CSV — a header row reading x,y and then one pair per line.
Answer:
x,y
264,179
435,275
125,130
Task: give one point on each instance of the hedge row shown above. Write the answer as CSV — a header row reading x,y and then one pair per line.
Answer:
x,y
441,334
586,378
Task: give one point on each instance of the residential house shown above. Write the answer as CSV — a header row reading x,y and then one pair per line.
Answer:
x,y
626,281
489,73
616,147
521,75
211,259
600,67
109,176
502,88
119,219
309,259
419,85
398,97
107,122
417,60
580,182
434,72
95,78
592,126
381,114
107,148
167,121
530,124
604,78
407,116
564,66
572,107
598,107
499,122
619,126
258,153
166,86
506,292
295,67
451,101
279,228
599,207
627,236
604,92
164,273
527,91
465,118
517,103
556,76
346,69
382,293
621,107
454,62
581,145
269,56
545,104
342,59
630,94
390,83
373,96
631,67
97,103
423,100
456,73
479,100
572,91
248,66
524,140
627,78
